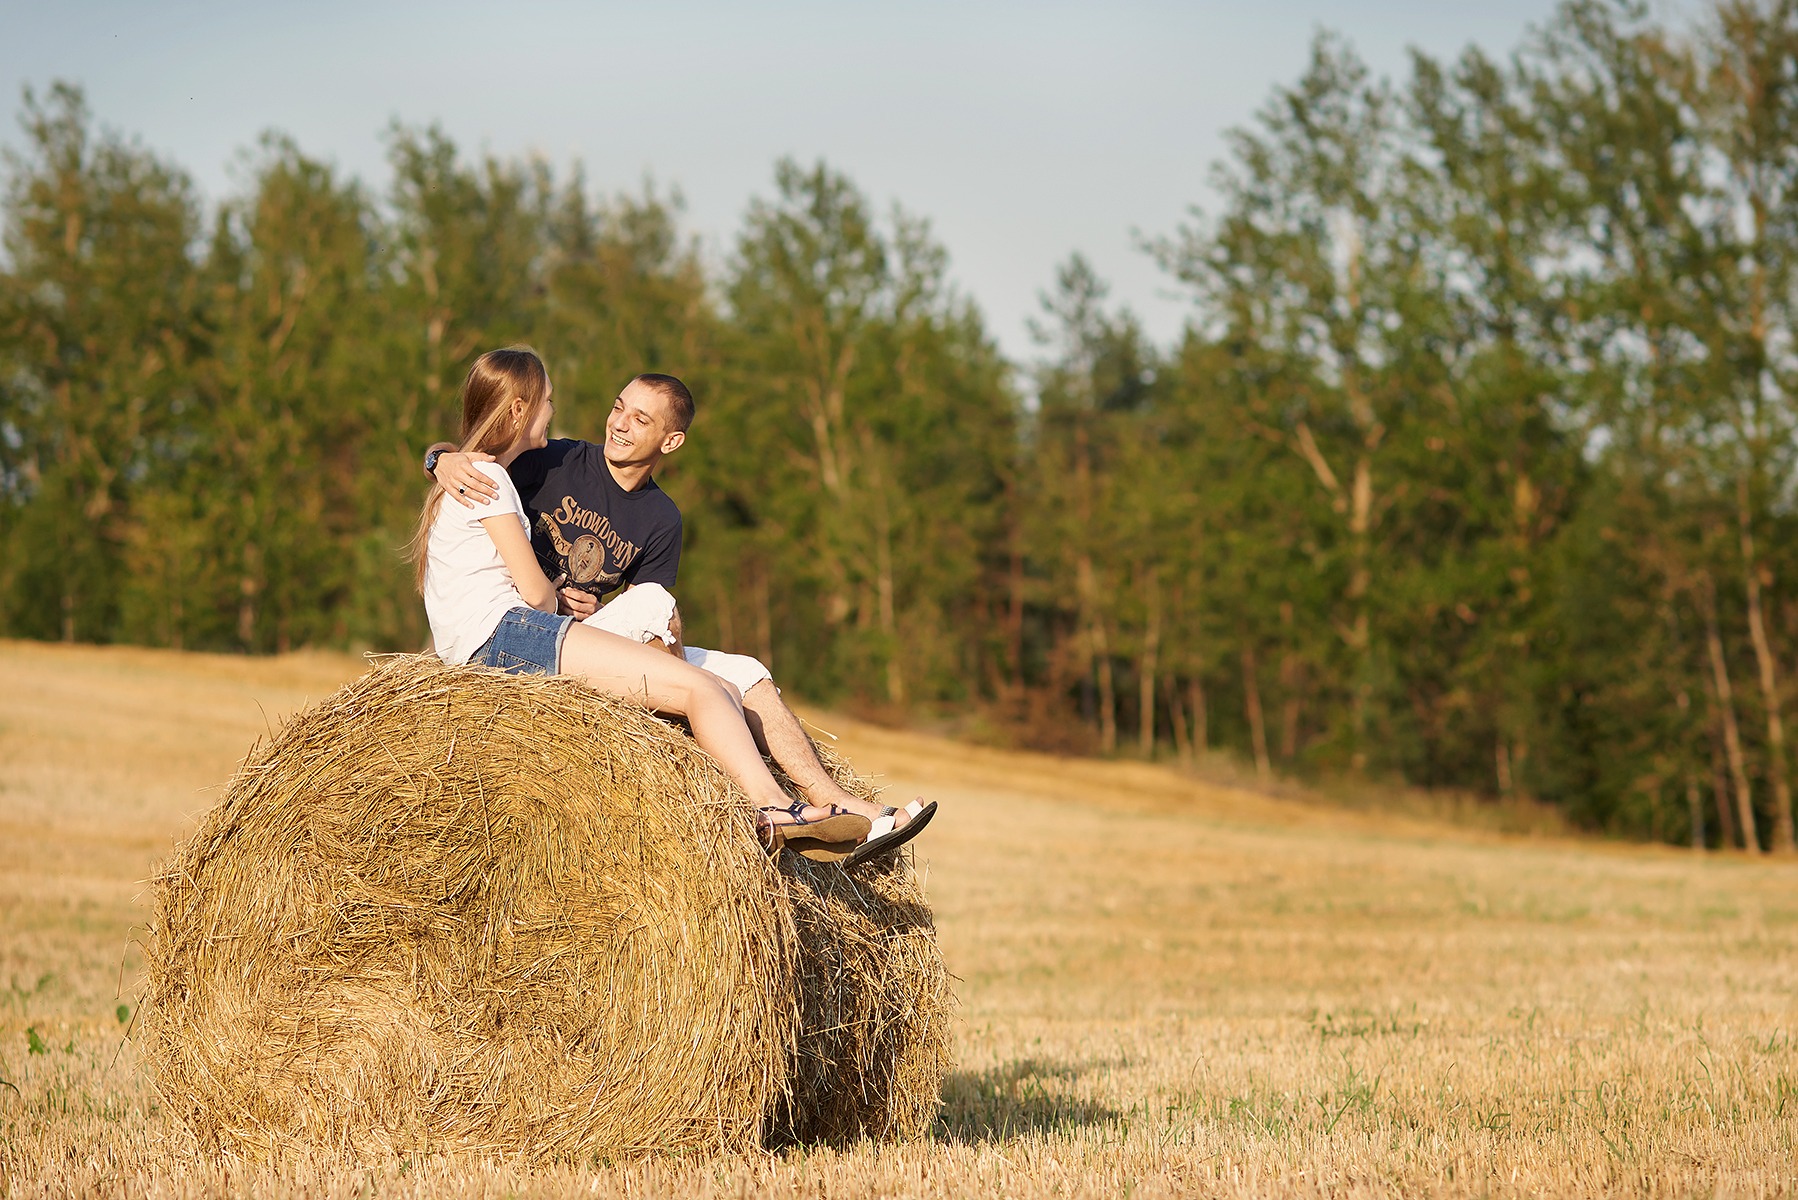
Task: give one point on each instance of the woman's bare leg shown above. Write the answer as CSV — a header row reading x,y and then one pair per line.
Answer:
x,y
635,672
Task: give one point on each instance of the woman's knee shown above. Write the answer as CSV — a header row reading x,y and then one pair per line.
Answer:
x,y
703,686
696,689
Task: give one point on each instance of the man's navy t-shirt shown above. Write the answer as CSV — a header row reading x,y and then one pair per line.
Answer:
x,y
585,526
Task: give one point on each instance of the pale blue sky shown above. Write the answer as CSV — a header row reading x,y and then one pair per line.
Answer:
x,y
1022,131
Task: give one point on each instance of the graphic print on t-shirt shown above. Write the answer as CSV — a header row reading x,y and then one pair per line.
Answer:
x,y
595,559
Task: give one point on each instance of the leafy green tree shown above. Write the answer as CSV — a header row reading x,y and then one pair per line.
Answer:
x,y
853,451
1500,470
461,261
1668,377
1083,452
1312,273
96,331
281,398
1744,90
624,293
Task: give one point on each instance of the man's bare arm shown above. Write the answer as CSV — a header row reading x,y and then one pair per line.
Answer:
x,y
455,473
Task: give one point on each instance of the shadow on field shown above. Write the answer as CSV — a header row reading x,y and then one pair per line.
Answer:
x,y
1026,1096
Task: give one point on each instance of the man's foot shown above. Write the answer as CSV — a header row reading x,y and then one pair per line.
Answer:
x,y
890,818
885,834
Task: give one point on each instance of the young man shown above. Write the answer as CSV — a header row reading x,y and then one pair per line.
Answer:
x,y
599,522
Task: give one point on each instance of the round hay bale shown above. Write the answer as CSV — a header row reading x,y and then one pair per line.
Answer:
x,y
874,1005
448,909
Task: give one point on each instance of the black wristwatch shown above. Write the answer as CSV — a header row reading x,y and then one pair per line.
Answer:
x,y
431,457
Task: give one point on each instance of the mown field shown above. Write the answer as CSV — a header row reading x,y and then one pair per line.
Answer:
x,y
1166,987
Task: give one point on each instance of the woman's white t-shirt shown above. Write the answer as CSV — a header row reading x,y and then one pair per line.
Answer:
x,y
467,586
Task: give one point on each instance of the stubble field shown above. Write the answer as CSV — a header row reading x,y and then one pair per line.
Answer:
x,y
1166,987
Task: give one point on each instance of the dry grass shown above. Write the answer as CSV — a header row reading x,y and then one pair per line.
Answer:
x,y
1166,988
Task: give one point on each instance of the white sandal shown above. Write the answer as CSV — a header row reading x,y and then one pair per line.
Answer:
x,y
884,834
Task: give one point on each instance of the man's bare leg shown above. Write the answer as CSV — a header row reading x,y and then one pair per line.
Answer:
x,y
777,730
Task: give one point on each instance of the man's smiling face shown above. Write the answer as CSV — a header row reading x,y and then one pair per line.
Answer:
x,y
641,427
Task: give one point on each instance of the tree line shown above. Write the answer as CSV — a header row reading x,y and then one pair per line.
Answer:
x,y
1473,467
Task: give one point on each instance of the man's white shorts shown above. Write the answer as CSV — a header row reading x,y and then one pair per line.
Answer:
x,y
645,612
739,670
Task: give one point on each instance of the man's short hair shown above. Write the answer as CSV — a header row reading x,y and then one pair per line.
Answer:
x,y
680,400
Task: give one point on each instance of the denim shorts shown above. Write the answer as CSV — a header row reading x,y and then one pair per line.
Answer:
x,y
526,642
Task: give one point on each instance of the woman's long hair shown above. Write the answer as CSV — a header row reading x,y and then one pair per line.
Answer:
x,y
494,379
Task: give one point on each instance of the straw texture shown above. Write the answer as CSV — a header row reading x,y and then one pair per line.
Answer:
x,y
448,909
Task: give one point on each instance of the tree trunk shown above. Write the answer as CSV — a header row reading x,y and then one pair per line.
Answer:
x,y
1201,717
1724,696
177,598
1176,716
1146,674
1064,652
1098,644
1098,651
1356,502
1108,700
1014,614
1726,821
889,620
1291,682
823,389
1695,812
1014,618
1360,580
1769,681
1251,697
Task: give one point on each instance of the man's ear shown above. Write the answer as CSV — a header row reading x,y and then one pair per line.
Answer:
x,y
673,441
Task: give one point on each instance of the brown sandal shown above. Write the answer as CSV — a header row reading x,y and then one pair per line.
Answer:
x,y
827,839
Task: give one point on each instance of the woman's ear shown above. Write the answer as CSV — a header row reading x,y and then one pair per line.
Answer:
x,y
518,410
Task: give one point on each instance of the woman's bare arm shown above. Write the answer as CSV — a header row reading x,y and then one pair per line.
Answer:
x,y
521,562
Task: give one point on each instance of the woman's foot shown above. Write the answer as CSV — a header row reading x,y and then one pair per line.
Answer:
x,y
822,834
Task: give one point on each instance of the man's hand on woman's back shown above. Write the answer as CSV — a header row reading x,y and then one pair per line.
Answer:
x,y
456,475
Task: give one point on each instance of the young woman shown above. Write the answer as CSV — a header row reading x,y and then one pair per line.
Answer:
x,y
490,603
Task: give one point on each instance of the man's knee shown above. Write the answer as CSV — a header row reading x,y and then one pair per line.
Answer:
x,y
651,602
745,672
642,613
